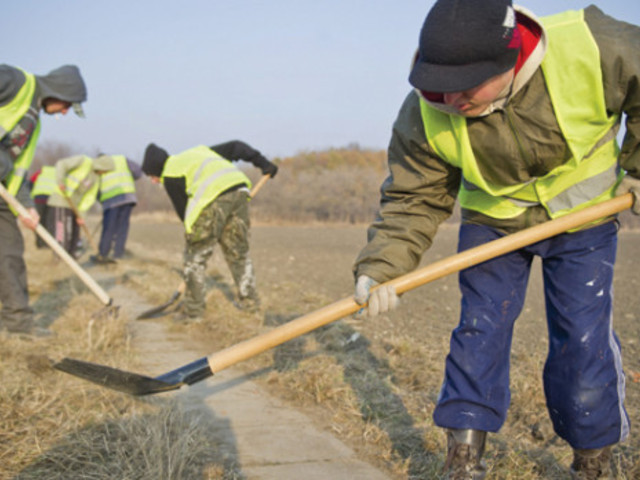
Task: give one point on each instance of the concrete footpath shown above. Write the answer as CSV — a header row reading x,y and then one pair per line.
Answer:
x,y
266,438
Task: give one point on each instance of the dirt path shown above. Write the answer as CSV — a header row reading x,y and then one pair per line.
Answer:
x,y
262,437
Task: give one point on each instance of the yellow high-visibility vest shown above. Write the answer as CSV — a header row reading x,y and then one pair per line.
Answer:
x,y
75,178
207,175
117,181
574,81
10,115
45,184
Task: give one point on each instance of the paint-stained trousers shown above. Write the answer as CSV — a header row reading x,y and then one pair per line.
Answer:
x,y
225,221
16,315
583,379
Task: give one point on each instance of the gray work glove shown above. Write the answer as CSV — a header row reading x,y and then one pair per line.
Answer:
x,y
630,185
381,300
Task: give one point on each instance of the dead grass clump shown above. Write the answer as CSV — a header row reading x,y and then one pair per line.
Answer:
x,y
319,380
56,426
39,405
169,443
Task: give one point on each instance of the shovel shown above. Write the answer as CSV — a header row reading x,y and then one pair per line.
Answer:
x,y
57,248
152,312
135,384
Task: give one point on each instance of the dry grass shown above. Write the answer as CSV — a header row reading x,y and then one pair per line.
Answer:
x,y
54,426
373,383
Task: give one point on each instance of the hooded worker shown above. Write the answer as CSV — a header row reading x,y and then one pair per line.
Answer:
x,y
22,97
211,196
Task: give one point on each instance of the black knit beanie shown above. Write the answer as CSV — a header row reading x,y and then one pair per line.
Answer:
x,y
154,160
463,43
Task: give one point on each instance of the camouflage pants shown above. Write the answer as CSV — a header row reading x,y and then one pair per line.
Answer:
x,y
225,221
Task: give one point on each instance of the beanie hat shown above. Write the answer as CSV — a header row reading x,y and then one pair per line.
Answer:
x,y
463,43
104,163
154,160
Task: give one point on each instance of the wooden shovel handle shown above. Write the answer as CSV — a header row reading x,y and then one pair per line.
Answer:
x,y
57,248
259,185
347,306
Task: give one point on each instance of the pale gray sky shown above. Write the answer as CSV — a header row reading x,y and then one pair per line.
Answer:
x,y
283,75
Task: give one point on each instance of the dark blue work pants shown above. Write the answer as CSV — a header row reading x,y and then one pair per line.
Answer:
x,y
115,230
583,378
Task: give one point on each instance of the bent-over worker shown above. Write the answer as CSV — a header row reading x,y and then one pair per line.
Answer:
x,y
211,196
22,97
516,117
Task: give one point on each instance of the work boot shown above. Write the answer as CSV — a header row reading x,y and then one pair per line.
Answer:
x,y
464,455
248,304
590,464
184,318
101,260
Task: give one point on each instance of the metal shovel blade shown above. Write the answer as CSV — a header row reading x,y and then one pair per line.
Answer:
x,y
152,312
126,382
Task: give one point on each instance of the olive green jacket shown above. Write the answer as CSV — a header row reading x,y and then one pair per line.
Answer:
x,y
517,141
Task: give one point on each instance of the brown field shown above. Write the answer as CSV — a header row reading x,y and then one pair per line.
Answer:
x,y
376,391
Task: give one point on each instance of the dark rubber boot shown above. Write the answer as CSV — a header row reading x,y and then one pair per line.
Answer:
x,y
464,455
591,464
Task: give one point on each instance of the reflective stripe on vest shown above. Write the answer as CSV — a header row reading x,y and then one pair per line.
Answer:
x,y
118,181
574,81
46,183
207,175
75,178
10,115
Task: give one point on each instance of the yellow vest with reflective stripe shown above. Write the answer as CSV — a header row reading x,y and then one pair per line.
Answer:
x,y
117,181
10,115
75,178
46,183
207,175
574,81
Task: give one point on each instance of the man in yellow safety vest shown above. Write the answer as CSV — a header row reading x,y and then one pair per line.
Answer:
x,y
211,196
22,97
516,118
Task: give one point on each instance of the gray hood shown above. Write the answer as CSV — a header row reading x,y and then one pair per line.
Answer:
x,y
11,80
64,83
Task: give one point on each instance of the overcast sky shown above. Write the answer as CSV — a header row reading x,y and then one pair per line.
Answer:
x,y
282,75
